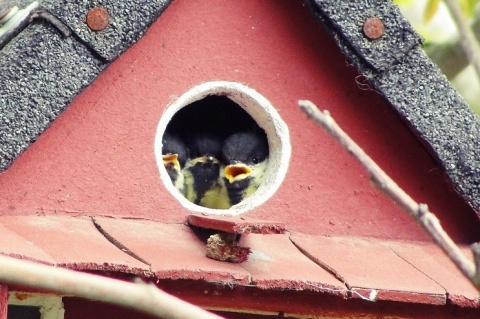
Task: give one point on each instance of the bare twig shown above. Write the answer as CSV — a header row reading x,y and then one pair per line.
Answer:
x,y
450,56
419,212
467,38
143,297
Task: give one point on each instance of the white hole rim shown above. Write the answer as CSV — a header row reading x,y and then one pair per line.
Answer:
x,y
266,116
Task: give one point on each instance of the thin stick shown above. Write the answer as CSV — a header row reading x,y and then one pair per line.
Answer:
x,y
467,38
143,297
419,212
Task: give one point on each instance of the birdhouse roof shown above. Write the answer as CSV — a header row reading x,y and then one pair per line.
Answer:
x,y
56,60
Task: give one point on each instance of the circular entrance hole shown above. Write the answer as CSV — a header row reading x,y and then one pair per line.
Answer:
x,y
224,108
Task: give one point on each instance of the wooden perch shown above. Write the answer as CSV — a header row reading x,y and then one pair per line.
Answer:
x,y
419,212
140,296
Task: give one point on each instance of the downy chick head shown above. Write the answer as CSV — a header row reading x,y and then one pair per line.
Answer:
x,y
245,155
174,155
202,171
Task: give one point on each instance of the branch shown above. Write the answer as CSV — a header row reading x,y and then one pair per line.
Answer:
x,y
142,297
419,212
467,38
450,56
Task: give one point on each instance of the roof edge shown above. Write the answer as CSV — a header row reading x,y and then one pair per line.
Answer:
x,y
415,88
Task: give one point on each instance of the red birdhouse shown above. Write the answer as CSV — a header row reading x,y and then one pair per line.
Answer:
x,y
87,97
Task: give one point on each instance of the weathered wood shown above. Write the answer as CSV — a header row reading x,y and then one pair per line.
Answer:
x,y
3,301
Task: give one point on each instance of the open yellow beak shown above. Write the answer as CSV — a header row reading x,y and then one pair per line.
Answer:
x,y
237,172
171,161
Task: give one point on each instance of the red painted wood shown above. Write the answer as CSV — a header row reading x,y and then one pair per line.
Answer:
x,y
15,245
366,264
70,242
395,270
77,308
173,251
430,259
306,303
284,303
97,158
236,224
3,301
275,263
281,302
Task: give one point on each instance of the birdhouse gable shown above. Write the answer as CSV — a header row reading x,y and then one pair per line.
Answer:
x,y
164,141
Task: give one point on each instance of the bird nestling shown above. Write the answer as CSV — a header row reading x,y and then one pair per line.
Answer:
x,y
203,183
174,155
245,155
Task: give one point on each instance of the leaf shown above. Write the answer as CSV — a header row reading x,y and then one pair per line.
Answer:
x,y
430,10
402,2
468,7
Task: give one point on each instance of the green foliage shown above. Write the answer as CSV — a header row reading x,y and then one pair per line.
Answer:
x,y
431,7
430,10
402,2
468,7
432,19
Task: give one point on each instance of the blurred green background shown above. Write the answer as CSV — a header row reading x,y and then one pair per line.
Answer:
x,y
432,20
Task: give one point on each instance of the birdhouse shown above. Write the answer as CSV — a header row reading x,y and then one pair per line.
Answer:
x,y
90,94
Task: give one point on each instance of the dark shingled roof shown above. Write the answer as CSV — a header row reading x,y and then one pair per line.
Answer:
x,y
32,97
401,72
42,70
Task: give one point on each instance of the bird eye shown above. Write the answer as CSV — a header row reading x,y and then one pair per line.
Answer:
x,y
255,160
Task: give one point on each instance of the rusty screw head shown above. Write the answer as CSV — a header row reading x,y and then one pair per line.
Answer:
x,y
373,28
97,18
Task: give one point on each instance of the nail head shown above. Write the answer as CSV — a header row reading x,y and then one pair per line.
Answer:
x,y
373,28
97,18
